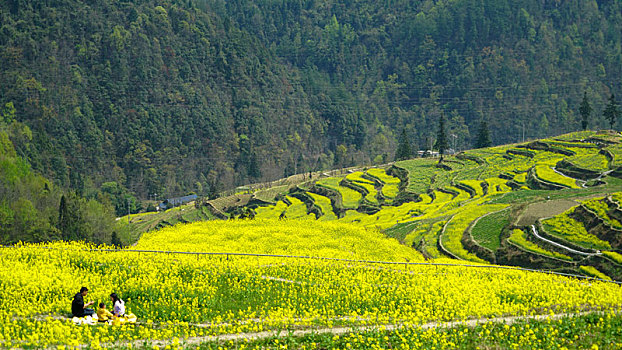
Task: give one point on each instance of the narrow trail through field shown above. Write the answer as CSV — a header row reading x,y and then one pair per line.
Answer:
x,y
535,233
343,330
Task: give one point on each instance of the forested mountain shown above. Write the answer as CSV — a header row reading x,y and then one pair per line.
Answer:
x,y
167,97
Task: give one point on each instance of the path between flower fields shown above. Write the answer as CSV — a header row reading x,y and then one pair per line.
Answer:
x,y
339,330
574,251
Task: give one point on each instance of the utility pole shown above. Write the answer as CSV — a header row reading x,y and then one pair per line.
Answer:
x,y
128,211
431,139
523,131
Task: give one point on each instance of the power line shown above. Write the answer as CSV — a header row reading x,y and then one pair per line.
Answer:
x,y
305,257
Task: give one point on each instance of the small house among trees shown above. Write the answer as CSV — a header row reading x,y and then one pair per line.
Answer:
x,y
175,202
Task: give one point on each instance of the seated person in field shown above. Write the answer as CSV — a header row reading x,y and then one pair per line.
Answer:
x,y
103,314
118,308
78,307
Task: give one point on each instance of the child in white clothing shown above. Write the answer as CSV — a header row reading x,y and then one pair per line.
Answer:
x,y
118,308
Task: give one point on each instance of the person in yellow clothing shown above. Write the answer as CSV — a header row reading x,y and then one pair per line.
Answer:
x,y
103,315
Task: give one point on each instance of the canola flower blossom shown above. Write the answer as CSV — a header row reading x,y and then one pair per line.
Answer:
x,y
176,295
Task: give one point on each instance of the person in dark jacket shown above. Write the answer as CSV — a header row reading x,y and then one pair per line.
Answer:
x,y
78,307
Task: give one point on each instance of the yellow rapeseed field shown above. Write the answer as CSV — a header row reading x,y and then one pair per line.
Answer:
x,y
181,295
289,237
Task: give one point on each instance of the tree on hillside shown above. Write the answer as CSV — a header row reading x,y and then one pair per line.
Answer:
x,y
214,188
70,219
63,218
483,136
115,240
340,156
586,110
253,167
404,150
441,138
612,111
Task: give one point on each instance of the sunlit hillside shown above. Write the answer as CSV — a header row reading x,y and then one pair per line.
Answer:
x,y
548,204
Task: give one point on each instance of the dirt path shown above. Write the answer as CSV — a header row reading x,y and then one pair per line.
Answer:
x,y
574,251
340,330
547,209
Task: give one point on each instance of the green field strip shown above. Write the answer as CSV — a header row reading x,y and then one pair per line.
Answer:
x,y
487,231
616,150
570,144
443,178
470,170
577,135
269,194
425,236
420,172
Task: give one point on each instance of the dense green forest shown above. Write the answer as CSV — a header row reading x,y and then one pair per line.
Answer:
x,y
138,98
33,209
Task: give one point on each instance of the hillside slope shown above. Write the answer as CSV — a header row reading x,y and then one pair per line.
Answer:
x,y
548,204
33,208
170,97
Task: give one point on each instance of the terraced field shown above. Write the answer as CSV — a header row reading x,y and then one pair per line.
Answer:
x,y
349,197
367,187
437,210
401,256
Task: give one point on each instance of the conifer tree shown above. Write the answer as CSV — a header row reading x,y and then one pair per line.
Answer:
x,y
483,136
586,110
404,151
253,168
612,111
63,218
